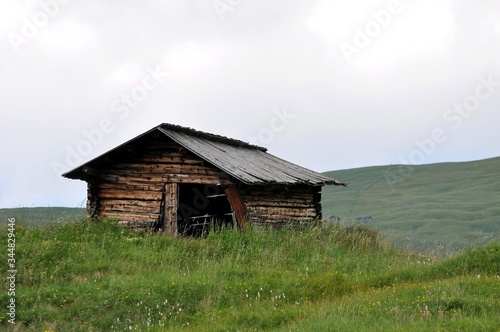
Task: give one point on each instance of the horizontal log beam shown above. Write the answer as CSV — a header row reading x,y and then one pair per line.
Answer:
x,y
131,186
164,178
145,203
283,212
124,209
160,167
129,216
130,194
282,203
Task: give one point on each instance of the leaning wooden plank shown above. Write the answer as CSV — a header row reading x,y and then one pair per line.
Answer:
x,y
237,205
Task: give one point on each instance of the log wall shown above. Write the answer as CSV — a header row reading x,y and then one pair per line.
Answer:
x,y
279,204
139,188
130,188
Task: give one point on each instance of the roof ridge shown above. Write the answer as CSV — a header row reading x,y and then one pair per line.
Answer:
x,y
210,136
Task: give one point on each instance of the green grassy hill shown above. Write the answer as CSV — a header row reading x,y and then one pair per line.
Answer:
x,y
85,276
449,204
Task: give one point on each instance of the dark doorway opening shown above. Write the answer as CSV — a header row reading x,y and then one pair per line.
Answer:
x,y
202,208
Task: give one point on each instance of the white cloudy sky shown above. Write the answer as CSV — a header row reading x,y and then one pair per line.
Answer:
x,y
360,82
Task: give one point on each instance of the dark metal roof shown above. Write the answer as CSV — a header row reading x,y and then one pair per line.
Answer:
x,y
248,163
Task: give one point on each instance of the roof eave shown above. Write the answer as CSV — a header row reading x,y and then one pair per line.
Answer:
x,y
78,173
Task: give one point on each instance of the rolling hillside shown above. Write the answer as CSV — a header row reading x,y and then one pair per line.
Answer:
x,y
447,204
40,216
86,276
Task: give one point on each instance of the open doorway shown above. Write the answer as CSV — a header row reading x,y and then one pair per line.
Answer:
x,y
202,208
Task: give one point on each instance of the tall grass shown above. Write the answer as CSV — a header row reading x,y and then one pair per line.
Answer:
x,y
97,276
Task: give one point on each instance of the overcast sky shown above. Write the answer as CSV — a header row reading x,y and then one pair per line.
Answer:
x,y
326,84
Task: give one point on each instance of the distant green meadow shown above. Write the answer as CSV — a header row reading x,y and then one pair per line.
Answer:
x,y
447,206
86,276
41,216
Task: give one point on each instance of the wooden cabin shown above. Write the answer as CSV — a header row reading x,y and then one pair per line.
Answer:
x,y
183,181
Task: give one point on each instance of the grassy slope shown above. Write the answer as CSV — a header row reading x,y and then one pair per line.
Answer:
x,y
451,204
99,277
40,216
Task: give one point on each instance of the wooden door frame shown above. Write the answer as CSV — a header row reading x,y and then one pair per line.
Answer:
x,y
170,204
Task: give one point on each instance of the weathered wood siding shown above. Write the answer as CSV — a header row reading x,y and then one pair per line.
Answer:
x,y
130,187
278,204
92,199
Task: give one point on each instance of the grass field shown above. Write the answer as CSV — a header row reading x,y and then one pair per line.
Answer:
x,y
83,276
76,275
447,205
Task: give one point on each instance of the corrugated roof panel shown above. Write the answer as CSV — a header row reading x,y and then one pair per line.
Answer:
x,y
249,165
